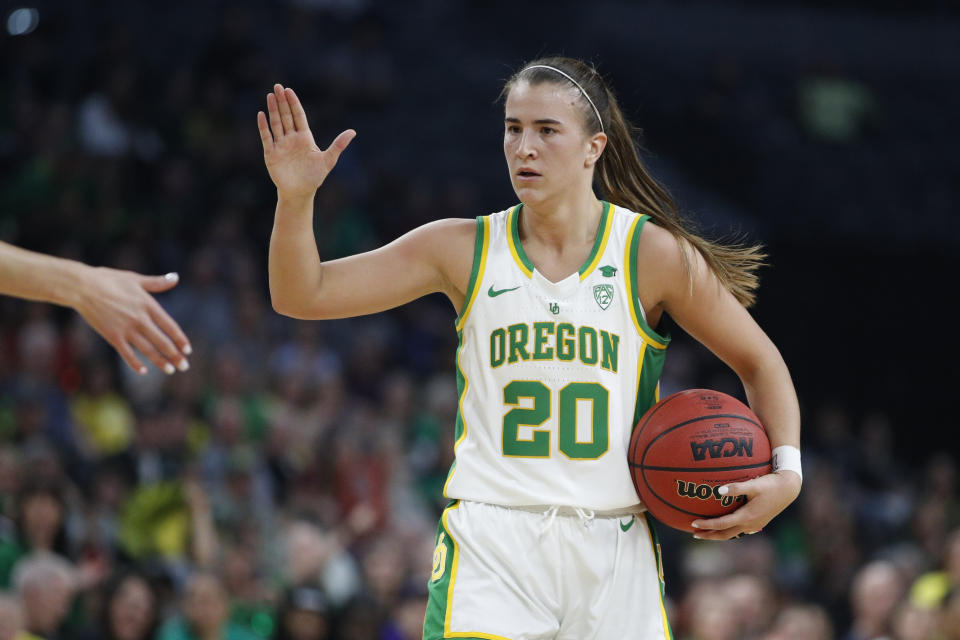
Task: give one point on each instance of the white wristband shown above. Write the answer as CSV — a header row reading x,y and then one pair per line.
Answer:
x,y
787,458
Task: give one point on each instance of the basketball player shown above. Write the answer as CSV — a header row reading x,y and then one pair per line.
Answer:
x,y
558,299
116,303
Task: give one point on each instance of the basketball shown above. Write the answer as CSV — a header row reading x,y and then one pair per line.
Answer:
x,y
687,446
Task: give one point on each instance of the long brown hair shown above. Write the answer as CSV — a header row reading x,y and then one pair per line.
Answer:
x,y
624,180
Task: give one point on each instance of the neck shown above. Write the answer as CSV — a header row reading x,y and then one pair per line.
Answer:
x,y
562,220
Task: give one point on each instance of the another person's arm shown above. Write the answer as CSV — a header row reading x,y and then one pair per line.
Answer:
x,y
710,313
116,303
433,258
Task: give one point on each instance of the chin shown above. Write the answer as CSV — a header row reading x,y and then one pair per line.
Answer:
x,y
530,196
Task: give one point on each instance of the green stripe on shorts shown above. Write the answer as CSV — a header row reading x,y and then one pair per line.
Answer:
x,y
655,541
440,579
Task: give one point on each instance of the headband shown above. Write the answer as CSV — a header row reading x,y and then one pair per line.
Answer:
x,y
567,76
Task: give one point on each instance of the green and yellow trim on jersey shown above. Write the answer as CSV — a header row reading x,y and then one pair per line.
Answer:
x,y
653,345
436,622
599,244
667,633
481,248
649,336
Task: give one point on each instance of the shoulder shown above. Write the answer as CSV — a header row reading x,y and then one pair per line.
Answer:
x,y
448,229
656,245
446,238
665,264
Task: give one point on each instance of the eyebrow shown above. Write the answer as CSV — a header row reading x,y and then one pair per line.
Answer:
x,y
540,121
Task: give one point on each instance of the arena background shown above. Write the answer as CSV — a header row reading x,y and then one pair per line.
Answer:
x,y
314,453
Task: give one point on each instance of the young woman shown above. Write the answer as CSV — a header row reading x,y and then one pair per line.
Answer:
x,y
558,299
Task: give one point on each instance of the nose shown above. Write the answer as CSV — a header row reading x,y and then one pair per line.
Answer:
x,y
526,147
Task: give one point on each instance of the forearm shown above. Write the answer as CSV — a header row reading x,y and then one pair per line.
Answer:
x,y
35,276
294,262
772,397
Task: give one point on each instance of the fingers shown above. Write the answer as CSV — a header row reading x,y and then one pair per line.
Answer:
x,y
129,356
286,116
146,347
169,326
156,284
339,144
273,109
164,345
299,115
729,521
732,533
725,534
265,137
747,488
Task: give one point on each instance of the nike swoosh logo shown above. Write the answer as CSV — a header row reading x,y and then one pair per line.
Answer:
x,y
494,293
626,527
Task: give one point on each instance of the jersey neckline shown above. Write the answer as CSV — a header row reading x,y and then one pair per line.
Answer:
x,y
527,266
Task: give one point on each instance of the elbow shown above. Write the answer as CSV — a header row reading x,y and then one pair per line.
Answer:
x,y
294,310
284,307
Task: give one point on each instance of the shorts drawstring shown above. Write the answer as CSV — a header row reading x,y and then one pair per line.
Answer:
x,y
586,515
550,515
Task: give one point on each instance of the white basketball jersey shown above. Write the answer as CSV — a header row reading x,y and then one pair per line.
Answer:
x,y
552,376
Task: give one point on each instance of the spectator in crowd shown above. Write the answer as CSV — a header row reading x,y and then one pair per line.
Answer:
x,y
40,525
303,614
129,609
801,622
203,613
11,617
46,584
876,591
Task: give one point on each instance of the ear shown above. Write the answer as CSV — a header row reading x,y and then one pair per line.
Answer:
x,y
595,146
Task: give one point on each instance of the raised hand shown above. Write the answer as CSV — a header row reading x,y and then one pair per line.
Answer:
x,y
296,164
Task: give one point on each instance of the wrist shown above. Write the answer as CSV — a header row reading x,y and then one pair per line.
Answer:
x,y
71,288
294,201
786,458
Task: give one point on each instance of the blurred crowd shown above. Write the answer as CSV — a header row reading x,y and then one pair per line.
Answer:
x,y
289,484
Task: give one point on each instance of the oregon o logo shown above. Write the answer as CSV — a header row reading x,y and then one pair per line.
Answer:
x,y
439,559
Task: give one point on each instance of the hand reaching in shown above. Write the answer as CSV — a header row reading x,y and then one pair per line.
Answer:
x,y
296,164
118,305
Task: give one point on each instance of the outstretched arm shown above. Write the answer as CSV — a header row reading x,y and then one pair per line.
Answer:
x,y
117,304
432,258
710,313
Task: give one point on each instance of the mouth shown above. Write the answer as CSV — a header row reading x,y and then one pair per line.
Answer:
x,y
527,174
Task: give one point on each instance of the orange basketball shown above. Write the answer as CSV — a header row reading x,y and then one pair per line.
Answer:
x,y
690,444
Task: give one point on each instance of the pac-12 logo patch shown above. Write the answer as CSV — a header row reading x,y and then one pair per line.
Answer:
x,y
603,294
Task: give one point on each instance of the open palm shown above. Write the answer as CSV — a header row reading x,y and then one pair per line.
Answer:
x,y
296,164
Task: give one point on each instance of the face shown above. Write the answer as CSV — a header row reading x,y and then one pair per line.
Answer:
x,y
131,610
46,607
548,150
11,619
42,516
305,625
205,606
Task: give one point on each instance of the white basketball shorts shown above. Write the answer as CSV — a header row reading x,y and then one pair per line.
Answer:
x,y
517,574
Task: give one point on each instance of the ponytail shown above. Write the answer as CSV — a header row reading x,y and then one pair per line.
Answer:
x,y
625,181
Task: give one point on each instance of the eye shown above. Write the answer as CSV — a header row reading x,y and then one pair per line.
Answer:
x,y
513,128
547,130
